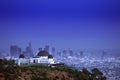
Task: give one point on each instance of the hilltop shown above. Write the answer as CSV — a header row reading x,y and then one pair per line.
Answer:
x,y
43,72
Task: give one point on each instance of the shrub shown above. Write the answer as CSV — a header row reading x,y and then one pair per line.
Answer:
x,y
56,77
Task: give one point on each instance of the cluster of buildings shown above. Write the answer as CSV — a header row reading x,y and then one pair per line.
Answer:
x,y
43,57
15,51
109,66
28,57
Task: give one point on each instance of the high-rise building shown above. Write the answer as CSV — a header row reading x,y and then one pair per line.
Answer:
x,y
81,54
104,54
19,50
29,51
46,48
64,53
59,54
15,51
53,51
71,53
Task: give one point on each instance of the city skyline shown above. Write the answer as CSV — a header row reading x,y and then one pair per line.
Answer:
x,y
62,24
29,51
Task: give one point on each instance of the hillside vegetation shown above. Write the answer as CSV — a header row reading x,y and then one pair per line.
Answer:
x,y
41,72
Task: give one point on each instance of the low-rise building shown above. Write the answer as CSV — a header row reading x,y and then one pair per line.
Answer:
x,y
42,57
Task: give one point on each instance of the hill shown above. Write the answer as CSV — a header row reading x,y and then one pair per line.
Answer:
x,y
42,72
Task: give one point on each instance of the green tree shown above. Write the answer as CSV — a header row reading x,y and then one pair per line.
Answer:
x,y
97,73
85,71
1,65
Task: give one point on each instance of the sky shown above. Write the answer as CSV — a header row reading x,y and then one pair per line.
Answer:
x,y
75,24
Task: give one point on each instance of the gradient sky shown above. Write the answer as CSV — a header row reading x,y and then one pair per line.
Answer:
x,y
75,24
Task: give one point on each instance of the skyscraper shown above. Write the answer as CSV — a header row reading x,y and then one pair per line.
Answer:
x,y
81,54
64,53
70,52
15,51
104,54
46,48
29,51
53,51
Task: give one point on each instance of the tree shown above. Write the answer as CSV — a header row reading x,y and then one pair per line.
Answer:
x,y
85,74
1,65
97,73
85,71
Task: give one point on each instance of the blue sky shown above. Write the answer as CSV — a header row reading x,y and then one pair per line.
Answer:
x,y
64,24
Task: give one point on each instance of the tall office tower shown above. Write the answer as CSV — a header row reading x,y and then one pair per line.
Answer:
x,y
19,50
59,54
71,53
15,51
104,54
46,48
29,50
53,51
64,53
81,54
